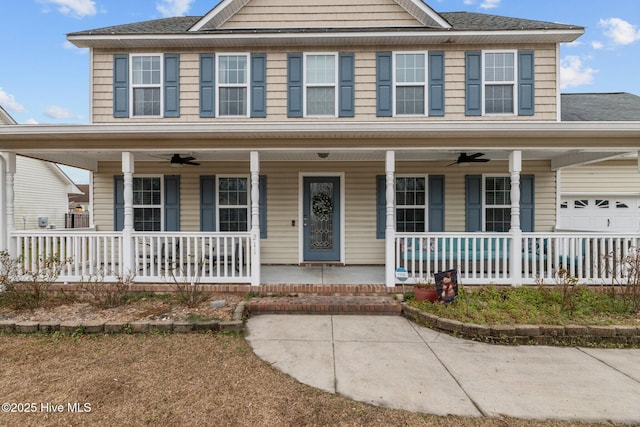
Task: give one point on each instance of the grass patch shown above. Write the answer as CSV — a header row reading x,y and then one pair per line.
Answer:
x,y
491,305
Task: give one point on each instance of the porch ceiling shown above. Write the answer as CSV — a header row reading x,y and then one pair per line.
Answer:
x,y
84,145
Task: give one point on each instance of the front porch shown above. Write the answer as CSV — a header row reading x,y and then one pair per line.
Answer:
x,y
218,258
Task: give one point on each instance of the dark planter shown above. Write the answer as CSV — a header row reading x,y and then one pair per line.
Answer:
x,y
425,294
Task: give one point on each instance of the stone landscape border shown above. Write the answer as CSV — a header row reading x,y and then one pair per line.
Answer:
x,y
567,335
135,327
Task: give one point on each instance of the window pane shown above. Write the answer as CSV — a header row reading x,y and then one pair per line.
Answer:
x,y
410,100
147,219
498,219
233,101
321,101
499,67
499,99
410,220
321,69
233,219
146,70
410,68
233,69
146,102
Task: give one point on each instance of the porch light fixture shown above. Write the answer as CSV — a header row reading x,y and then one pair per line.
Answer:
x,y
323,155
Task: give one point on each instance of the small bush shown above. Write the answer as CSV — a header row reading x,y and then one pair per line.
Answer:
x,y
188,289
107,294
29,289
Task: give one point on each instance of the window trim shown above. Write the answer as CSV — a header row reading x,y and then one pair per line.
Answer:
x,y
160,206
395,84
307,85
246,85
133,86
426,201
500,83
484,198
220,206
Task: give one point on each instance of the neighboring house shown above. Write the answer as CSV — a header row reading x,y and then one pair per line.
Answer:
x,y
286,132
41,191
80,202
602,195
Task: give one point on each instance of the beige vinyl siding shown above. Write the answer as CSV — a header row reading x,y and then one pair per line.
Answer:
x,y
610,177
283,199
365,77
40,191
329,14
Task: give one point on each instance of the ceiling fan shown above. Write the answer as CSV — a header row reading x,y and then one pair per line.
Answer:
x,y
177,161
465,160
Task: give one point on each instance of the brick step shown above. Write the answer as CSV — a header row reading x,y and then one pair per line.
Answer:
x,y
314,304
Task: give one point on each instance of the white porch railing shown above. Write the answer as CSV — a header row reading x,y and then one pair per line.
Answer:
x,y
484,258
158,257
83,253
203,257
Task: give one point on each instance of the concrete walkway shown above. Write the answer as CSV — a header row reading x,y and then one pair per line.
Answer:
x,y
392,362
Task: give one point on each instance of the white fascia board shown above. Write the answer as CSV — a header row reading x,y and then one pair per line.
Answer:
x,y
427,10
582,158
277,38
219,8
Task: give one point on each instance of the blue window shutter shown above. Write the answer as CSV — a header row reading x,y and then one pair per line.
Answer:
x,y
436,84
263,206
207,85
208,203
259,85
172,85
120,86
436,203
294,81
527,203
172,203
473,103
473,191
526,83
384,84
381,206
118,203
346,72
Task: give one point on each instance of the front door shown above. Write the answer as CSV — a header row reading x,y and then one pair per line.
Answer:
x,y
321,218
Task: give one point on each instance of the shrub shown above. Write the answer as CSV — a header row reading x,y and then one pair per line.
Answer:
x,y
107,294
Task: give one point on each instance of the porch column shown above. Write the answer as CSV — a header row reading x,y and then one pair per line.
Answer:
x,y
10,172
390,230
128,254
515,167
255,218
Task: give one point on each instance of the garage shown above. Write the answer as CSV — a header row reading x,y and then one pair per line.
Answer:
x,y
600,213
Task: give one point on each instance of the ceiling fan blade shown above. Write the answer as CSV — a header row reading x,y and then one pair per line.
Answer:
x,y
192,163
479,160
476,155
188,159
454,163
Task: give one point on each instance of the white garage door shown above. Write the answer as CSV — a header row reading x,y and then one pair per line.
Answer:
x,y
621,214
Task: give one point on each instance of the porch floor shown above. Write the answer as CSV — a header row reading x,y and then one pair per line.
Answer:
x,y
322,275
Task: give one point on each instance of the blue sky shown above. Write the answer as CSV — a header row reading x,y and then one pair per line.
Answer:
x,y
45,79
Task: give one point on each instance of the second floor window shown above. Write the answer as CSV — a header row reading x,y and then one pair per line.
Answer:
x,y
146,78
410,83
499,82
321,77
233,85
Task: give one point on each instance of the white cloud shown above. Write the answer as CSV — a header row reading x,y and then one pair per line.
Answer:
x,y
57,112
574,73
485,4
620,31
170,8
75,8
597,45
9,102
31,121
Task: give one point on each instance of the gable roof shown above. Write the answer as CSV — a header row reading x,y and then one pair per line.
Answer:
x,y
226,9
446,27
5,118
595,107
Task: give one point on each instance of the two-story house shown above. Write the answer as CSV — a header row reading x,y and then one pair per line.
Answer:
x,y
282,132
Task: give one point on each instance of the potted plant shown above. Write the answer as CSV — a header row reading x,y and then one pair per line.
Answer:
x,y
424,290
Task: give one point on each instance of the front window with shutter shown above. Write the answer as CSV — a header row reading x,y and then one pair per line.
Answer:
x,y
146,87
410,83
321,77
233,85
499,82
147,203
497,200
